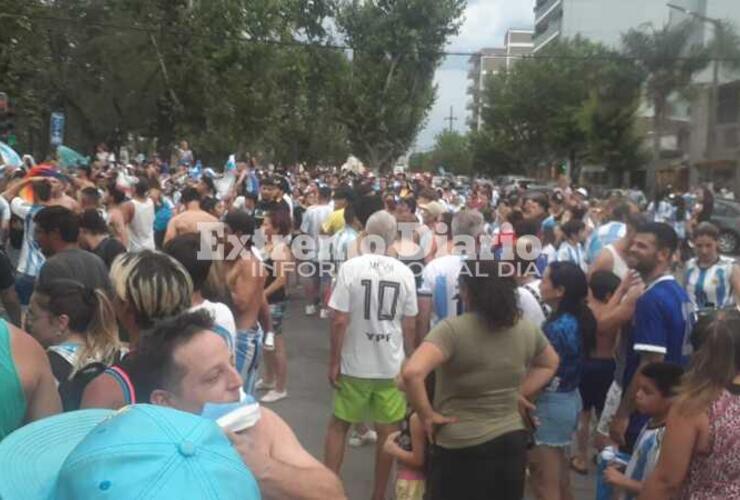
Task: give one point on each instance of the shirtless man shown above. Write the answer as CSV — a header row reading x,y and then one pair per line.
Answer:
x,y
27,387
116,213
84,178
245,277
59,195
188,221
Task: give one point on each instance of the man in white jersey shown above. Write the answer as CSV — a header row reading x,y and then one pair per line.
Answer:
x,y
711,280
374,308
438,293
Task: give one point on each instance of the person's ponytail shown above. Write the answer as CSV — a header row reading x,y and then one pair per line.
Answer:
x,y
91,315
101,337
588,326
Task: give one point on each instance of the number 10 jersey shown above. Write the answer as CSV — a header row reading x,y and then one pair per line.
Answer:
x,y
377,292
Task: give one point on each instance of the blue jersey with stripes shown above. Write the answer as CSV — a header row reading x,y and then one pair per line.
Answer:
x,y
662,323
604,235
440,282
569,252
710,287
31,259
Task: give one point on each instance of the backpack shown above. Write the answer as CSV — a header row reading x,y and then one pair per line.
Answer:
x,y
71,388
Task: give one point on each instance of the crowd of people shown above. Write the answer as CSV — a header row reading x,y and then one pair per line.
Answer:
x,y
482,336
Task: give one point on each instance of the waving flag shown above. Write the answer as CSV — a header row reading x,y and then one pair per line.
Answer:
x,y
69,158
9,156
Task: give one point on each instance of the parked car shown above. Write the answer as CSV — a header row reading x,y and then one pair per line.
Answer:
x,y
726,216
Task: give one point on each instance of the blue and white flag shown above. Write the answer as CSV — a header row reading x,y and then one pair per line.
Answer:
x,y
9,156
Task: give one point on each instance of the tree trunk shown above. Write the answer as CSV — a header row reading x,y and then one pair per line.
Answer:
x,y
651,181
575,167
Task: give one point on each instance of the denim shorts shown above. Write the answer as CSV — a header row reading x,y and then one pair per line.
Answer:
x,y
557,413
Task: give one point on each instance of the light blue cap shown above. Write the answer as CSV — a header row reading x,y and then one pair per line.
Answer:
x,y
141,451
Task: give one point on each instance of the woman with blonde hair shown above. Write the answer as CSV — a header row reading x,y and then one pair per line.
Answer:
x,y
77,326
699,457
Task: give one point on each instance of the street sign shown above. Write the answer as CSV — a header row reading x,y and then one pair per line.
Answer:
x,y
56,129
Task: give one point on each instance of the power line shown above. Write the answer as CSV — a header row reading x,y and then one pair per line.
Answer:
x,y
60,21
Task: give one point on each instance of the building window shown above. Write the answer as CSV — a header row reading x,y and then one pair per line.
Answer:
x,y
728,104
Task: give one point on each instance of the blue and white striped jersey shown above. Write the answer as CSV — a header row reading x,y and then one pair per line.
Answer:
x,y
710,287
604,235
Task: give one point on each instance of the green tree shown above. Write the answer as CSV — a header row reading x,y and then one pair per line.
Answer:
x,y
670,61
421,162
387,89
609,119
452,151
24,55
556,107
227,75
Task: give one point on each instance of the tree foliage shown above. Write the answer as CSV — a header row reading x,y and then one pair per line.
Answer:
x,y
575,101
388,86
452,151
250,75
670,61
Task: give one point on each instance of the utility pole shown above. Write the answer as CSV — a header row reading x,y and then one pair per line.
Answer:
x,y
452,118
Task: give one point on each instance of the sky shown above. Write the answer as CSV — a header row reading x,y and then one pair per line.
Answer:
x,y
484,25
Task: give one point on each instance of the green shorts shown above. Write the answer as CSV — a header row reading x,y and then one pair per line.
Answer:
x,y
368,400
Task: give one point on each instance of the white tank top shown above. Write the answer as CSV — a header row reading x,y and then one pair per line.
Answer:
x,y
141,228
619,267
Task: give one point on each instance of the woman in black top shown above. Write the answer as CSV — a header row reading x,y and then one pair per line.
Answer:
x,y
277,260
77,326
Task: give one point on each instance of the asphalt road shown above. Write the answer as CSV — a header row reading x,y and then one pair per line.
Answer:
x,y
308,407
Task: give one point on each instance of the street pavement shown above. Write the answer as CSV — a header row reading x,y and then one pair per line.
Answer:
x,y
308,406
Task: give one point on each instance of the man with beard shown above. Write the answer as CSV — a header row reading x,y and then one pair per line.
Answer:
x,y
661,325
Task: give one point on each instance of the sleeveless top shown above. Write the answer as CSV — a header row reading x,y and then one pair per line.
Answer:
x,y
13,407
717,475
121,373
620,267
279,295
141,228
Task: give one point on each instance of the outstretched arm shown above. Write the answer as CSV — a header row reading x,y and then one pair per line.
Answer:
x,y
283,468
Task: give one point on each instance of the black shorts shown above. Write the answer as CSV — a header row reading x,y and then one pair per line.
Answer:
x,y
596,377
7,278
494,469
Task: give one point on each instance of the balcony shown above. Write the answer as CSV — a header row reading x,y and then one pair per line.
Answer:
x,y
544,8
544,37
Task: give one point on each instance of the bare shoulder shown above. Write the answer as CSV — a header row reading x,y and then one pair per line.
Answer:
x,y
24,346
102,392
28,356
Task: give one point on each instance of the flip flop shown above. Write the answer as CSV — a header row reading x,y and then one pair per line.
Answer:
x,y
583,471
